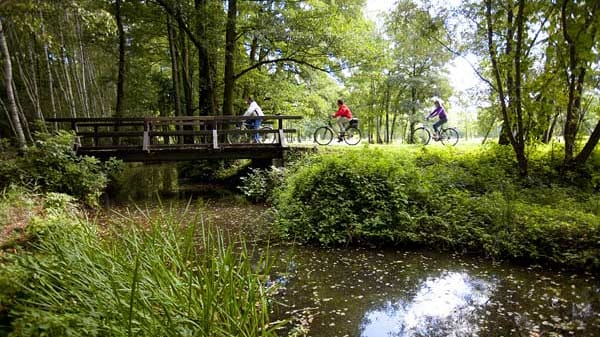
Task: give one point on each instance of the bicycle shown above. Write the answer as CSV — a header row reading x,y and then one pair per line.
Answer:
x,y
324,134
422,135
246,135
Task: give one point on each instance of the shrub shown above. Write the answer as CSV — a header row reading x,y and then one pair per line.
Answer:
x,y
340,198
441,198
53,165
259,184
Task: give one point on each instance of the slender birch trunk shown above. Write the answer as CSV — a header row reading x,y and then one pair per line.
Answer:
x,y
61,88
8,117
70,99
35,70
84,95
22,116
29,82
8,80
48,67
97,89
121,73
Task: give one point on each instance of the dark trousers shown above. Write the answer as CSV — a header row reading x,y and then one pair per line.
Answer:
x,y
439,123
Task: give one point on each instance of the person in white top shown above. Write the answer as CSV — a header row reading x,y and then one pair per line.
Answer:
x,y
253,110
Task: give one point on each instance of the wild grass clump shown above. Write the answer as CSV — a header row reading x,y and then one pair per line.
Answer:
x,y
161,277
443,198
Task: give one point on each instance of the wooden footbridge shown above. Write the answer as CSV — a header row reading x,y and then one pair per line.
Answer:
x,y
159,139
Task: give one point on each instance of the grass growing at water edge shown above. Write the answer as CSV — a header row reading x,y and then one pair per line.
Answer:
x,y
161,277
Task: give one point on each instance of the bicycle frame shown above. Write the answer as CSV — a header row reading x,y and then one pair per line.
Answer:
x,y
324,134
423,134
247,135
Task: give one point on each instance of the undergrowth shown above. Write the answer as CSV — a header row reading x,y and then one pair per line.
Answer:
x,y
445,198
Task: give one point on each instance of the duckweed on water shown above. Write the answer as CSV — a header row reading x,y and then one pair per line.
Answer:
x,y
374,292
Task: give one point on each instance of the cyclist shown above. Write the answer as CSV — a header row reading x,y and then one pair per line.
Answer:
x,y
343,115
442,116
253,110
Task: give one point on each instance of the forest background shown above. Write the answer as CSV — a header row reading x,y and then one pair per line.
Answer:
x,y
537,60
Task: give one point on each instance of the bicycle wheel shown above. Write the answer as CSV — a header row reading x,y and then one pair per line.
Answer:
x,y
449,136
267,138
421,136
239,138
352,136
323,135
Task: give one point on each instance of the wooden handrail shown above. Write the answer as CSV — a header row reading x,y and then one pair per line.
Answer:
x,y
151,131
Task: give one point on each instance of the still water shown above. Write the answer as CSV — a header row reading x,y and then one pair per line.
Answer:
x,y
375,293
359,292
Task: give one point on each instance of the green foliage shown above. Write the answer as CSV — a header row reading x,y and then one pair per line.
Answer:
x,y
340,198
443,198
164,277
259,184
53,165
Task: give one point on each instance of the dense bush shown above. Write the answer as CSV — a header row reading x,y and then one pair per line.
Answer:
x,y
469,201
51,164
259,184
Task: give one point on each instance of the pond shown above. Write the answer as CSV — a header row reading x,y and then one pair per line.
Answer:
x,y
370,292
373,293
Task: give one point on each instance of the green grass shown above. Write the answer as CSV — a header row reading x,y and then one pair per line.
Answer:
x,y
156,277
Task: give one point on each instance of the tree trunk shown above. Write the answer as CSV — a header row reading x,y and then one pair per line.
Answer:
x,y
8,117
64,58
28,82
22,116
518,102
98,91
229,73
576,72
48,68
516,142
207,102
121,73
174,68
84,94
587,150
206,71
503,137
8,79
413,114
487,132
550,132
188,98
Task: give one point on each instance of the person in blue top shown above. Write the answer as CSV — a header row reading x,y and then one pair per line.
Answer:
x,y
442,116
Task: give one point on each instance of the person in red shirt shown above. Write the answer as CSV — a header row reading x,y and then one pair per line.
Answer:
x,y
343,116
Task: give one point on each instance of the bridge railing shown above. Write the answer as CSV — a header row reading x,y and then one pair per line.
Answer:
x,y
153,133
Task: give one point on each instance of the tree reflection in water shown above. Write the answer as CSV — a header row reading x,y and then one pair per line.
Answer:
x,y
442,306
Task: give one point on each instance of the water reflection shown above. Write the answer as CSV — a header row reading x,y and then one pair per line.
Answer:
x,y
442,306
372,293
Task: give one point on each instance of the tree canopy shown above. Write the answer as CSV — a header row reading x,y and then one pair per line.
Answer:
x,y
88,58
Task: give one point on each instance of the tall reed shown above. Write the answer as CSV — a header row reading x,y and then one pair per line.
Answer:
x,y
163,277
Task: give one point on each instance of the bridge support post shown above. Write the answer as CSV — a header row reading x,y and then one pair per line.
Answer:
x,y
261,163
